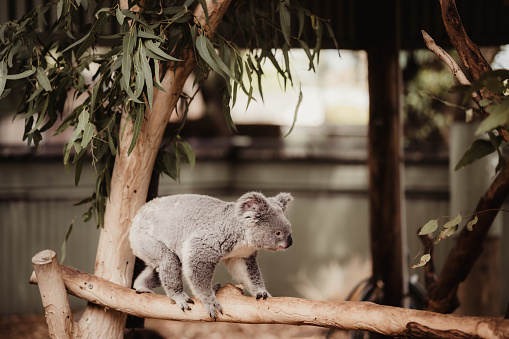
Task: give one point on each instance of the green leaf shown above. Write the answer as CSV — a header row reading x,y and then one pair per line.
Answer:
x,y
79,167
453,222
429,227
43,79
169,164
140,114
147,35
60,6
295,114
157,82
156,50
76,42
88,133
478,149
284,17
120,16
471,223
445,233
208,53
147,71
64,244
111,145
185,149
423,261
21,75
3,74
499,116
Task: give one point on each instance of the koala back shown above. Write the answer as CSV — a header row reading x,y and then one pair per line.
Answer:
x,y
233,229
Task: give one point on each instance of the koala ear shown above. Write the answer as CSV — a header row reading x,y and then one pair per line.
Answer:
x,y
252,204
283,199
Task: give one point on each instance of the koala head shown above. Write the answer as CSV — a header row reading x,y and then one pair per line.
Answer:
x,y
266,225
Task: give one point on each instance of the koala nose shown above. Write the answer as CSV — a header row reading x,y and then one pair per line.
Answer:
x,y
289,241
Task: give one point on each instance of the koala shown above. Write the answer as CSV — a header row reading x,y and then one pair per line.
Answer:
x,y
189,234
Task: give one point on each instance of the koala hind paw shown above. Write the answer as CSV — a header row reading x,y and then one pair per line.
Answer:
x,y
211,306
263,295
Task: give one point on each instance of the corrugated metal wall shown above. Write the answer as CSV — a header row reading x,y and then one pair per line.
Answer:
x,y
329,215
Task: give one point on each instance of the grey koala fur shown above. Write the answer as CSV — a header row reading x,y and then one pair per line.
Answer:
x,y
189,234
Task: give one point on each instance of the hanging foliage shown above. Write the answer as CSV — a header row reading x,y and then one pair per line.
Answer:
x,y
48,63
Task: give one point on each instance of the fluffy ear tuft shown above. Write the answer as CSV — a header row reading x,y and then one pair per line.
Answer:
x,y
252,204
283,199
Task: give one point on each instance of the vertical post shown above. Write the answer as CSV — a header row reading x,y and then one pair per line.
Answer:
x,y
53,294
384,150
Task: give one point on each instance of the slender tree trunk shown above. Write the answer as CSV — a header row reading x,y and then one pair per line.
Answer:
x,y
129,186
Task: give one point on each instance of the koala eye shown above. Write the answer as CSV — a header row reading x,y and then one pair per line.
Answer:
x,y
278,233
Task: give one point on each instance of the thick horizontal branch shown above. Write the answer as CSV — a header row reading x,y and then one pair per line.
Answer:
x,y
238,308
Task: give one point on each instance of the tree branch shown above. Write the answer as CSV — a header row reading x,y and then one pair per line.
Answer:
x,y
442,295
467,50
238,308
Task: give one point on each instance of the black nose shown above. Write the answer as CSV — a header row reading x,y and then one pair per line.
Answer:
x,y
289,241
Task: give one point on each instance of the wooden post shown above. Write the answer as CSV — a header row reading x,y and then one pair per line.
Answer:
x,y
384,150
53,294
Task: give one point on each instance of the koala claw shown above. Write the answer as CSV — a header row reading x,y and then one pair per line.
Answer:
x,y
143,290
263,295
182,301
211,306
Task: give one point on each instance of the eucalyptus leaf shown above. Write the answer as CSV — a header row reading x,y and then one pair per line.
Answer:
x,y
187,153
42,77
147,71
88,133
423,261
295,113
471,223
499,116
429,227
156,50
453,222
64,244
120,16
140,114
21,75
477,150
3,76
284,16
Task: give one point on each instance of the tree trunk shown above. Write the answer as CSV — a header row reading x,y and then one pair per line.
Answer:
x,y
237,308
129,185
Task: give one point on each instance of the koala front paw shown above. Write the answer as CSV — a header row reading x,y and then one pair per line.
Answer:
x,y
183,300
211,304
262,294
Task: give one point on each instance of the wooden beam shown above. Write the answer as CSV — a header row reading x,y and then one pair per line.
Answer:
x,y
384,151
